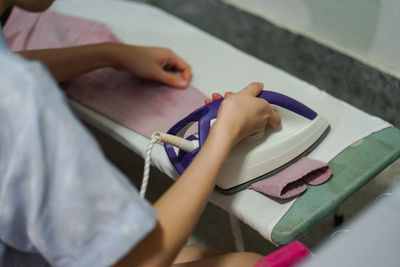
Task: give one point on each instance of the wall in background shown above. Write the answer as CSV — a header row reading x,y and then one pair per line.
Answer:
x,y
367,30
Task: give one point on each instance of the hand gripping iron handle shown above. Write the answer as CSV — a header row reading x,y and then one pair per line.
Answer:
x,y
208,112
289,103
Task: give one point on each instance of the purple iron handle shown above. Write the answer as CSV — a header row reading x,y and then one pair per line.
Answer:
x,y
206,113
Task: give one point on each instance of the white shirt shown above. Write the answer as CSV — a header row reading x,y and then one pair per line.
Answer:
x,y
61,202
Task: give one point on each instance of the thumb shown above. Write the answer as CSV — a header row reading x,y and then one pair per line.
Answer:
x,y
172,79
253,89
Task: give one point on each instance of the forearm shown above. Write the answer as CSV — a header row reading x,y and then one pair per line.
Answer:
x,y
181,206
239,115
70,62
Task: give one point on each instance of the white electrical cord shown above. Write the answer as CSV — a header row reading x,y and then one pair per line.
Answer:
x,y
173,140
147,161
187,146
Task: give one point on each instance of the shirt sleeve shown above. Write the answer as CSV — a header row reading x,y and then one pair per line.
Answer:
x,y
59,196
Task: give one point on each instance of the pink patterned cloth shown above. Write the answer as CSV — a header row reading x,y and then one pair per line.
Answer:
x,y
30,30
293,180
141,105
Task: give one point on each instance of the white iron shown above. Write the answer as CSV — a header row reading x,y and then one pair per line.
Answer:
x,y
259,156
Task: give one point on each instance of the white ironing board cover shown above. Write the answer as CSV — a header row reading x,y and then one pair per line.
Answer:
x,y
217,67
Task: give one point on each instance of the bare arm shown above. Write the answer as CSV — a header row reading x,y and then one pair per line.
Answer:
x,y
181,206
67,63
147,62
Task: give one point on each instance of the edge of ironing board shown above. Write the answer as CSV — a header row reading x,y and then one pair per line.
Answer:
x,y
351,169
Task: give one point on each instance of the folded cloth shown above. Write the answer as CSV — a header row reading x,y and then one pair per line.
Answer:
x,y
141,105
293,180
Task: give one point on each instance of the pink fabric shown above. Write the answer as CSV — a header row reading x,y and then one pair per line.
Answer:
x,y
141,105
293,180
29,30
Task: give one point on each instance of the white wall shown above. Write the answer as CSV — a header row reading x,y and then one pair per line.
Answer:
x,y
368,30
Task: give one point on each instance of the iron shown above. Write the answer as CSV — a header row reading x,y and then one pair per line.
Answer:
x,y
259,156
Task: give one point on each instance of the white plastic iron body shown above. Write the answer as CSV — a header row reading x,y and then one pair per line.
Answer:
x,y
256,157
265,152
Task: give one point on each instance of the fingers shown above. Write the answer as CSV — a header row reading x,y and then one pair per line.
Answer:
x,y
228,93
179,65
216,96
253,89
274,119
172,79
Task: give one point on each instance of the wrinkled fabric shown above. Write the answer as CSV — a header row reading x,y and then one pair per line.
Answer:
x,y
61,202
141,105
293,180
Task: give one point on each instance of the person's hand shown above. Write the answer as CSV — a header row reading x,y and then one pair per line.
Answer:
x,y
216,96
154,63
244,113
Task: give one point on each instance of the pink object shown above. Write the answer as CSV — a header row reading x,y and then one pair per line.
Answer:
x,y
141,105
31,30
288,256
292,181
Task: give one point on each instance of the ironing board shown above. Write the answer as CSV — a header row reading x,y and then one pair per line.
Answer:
x,y
352,168
232,76
358,164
